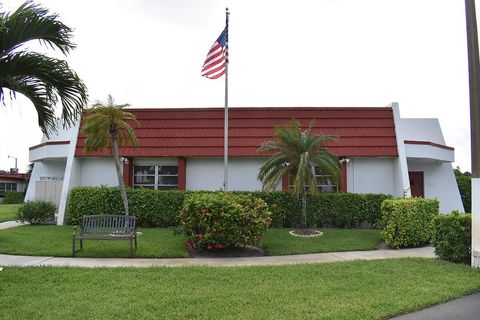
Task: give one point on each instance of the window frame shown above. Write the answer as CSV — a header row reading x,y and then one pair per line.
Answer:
x,y
156,175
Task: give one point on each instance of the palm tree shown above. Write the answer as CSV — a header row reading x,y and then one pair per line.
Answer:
x,y
109,124
295,153
43,80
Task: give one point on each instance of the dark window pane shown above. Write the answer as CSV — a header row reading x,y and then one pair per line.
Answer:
x,y
144,170
144,187
144,180
167,170
167,187
168,180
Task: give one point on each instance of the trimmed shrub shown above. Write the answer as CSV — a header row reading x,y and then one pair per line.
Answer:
x,y
150,207
159,208
13,197
219,220
37,212
408,222
452,236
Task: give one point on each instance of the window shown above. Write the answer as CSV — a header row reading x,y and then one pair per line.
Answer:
x,y
7,186
160,177
324,182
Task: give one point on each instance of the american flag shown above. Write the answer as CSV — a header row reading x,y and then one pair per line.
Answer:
x,y
217,58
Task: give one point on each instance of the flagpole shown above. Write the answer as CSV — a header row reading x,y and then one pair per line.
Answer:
x,y
225,145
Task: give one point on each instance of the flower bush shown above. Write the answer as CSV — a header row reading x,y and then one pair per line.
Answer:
x,y
219,220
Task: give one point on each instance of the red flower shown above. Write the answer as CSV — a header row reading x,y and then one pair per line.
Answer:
x,y
203,211
201,236
209,246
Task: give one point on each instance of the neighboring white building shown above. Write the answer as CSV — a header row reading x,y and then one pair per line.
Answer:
x,y
11,182
183,148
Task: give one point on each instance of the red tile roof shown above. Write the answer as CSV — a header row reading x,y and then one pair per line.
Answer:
x,y
198,132
12,176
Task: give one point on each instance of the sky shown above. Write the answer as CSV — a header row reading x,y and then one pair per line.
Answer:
x,y
322,53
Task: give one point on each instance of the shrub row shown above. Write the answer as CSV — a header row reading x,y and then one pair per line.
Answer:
x,y
408,222
452,236
13,197
160,208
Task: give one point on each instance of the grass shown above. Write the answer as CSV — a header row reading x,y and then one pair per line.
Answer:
x,y
163,243
279,242
347,290
48,240
8,212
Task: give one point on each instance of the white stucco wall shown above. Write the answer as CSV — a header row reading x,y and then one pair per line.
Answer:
x,y
207,174
400,169
422,130
51,169
439,183
98,171
371,175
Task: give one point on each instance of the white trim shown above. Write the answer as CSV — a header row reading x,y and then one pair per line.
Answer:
x,y
68,181
402,167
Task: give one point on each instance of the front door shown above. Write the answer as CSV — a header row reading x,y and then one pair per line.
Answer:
x,y
416,183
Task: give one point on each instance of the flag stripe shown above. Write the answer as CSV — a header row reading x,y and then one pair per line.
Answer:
x,y
215,62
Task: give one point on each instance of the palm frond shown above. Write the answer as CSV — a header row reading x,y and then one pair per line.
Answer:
x,y
44,81
33,22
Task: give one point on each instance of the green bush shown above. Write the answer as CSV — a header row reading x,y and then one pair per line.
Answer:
x,y
218,220
150,207
37,212
160,208
13,197
408,222
452,236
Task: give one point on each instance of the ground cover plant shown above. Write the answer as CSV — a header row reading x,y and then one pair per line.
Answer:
x,y
376,289
51,240
8,212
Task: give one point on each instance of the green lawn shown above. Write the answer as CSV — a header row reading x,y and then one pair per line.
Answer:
x,y
279,242
347,290
8,212
163,243
48,240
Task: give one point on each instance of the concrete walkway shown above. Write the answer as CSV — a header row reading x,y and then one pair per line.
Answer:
x,y
10,224
466,308
12,260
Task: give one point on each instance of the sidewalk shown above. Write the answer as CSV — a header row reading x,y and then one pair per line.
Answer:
x,y
466,308
11,260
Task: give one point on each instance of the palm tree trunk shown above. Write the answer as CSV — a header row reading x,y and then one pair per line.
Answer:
x,y
304,208
121,185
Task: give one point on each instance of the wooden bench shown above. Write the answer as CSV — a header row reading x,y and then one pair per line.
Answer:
x,y
105,227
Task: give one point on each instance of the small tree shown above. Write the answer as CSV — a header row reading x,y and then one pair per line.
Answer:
x,y
295,153
108,124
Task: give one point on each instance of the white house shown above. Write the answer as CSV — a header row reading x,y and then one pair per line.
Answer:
x,y
183,148
11,182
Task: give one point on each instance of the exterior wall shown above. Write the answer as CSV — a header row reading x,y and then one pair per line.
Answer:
x,y
50,169
98,171
439,183
422,130
20,184
429,152
371,175
207,174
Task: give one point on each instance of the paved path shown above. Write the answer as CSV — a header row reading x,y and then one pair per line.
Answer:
x,y
466,308
10,224
11,260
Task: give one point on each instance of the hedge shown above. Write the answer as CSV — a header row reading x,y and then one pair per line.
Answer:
x,y
13,197
452,236
158,208
408,222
